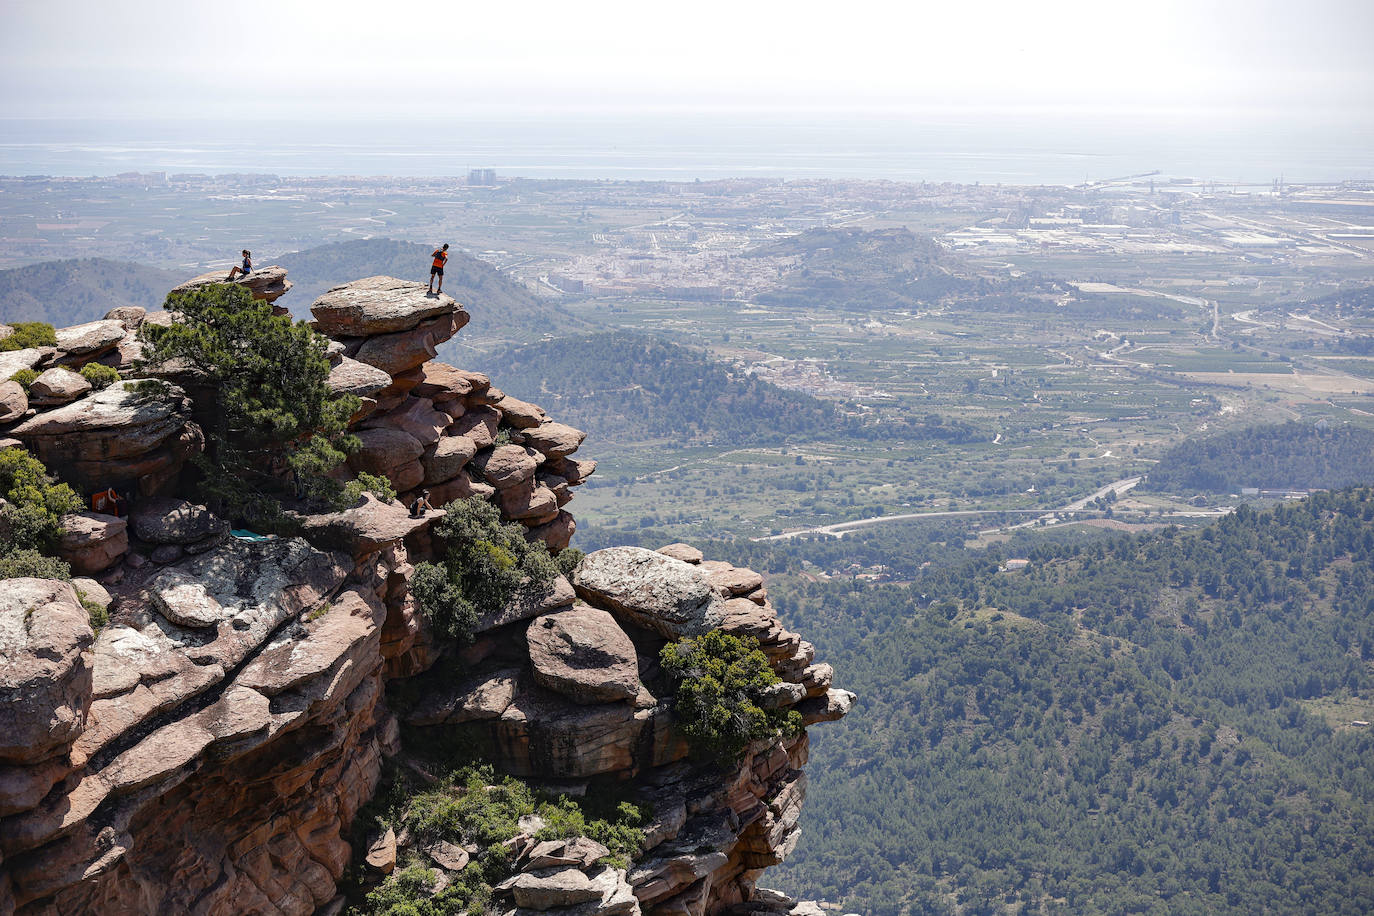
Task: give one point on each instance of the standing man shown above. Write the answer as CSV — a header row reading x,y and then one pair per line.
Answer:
x,y
436,269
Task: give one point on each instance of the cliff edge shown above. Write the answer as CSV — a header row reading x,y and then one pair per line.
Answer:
x,y
210,748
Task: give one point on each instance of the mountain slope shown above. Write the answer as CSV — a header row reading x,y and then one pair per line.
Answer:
x,y
1286,455
1162,723
70,292
500,308
625,388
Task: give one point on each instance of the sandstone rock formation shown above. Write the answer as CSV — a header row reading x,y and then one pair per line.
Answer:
x,y
207,751
267,283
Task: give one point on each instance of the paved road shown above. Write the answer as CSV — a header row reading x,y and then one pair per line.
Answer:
x,y
840,529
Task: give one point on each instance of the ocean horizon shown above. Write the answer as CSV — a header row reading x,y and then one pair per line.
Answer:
x,y
984,147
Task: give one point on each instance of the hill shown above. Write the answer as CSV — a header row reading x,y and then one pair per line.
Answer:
x,y
80,289
626,388
1162,723
500,308
891,269
1284,456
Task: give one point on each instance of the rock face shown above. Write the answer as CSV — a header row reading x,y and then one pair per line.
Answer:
x,y
119,436
209,749
267,283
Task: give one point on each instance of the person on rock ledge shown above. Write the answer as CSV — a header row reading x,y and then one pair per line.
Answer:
x,y
247,267
421,505
436,269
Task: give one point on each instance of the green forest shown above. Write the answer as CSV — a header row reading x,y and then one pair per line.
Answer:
x,y
1160,723
64,293
1287,455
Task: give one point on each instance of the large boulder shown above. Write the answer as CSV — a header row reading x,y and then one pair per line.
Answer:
x,y
377,305
583,654
442,382
650,590
91,338
557,440
384,449
268,283
445,459
507,465
14,403
415,416
12,361
367,527
91,542
556,534
353,377
175,521
45,672
114,435
405,350
57,386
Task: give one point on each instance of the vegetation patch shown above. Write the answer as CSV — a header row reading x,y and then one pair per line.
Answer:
x,y
29,334
34,504
486,564
476,809
99,375
720,684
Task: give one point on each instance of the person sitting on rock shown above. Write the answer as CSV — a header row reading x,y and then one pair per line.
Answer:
x,y
247,267
436,269
421,505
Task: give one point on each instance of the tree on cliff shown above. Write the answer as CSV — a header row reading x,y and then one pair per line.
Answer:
x,y
274,424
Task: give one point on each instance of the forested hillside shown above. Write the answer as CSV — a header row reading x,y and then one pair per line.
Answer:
x,y
1150,724
500,308
1288,455
70,292
629,388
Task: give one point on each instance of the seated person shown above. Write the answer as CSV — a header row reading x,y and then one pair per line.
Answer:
x,y
421,505
247,267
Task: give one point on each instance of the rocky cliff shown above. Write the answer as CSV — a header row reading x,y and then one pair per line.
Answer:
x,y
208,750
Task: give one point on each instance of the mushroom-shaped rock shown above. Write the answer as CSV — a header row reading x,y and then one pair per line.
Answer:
x,y
57,386
377,305
584,654
650,590
573,471
14,403
353,377
684,552
507,465
734,580
557,440
175,521
91,338
92,542
268,283
405,350
45,675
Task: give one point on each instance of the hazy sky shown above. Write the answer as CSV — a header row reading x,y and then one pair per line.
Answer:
x,y
183,58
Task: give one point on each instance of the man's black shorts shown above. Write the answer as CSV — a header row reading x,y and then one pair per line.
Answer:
x,y
436,270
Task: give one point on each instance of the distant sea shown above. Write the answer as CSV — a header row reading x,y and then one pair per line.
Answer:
x,y
986,147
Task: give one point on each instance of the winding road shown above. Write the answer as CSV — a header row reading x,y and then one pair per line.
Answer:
x,y
840,529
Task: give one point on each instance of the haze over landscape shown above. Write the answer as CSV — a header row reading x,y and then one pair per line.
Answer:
x,y
1024,352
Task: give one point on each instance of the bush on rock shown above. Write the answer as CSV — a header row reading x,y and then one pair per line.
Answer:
x,y
721,680
486,564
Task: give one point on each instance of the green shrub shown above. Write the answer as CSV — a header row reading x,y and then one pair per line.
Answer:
x,y
375,484
720,680
32,519
99,375
29,334
568,559
25,377
486,564
29,562
98,615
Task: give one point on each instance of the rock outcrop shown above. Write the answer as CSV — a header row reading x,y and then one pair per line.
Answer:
x,y
208,749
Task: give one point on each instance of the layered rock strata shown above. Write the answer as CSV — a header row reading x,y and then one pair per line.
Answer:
x,y
207,750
